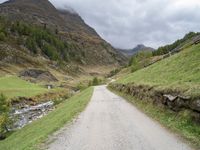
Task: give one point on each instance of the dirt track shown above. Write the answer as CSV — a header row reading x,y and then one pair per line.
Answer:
x,y
111,123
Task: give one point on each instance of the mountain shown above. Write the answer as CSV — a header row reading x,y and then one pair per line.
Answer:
x,y
131,52
54,34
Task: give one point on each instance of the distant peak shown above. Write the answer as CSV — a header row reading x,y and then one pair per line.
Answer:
x,y
140,46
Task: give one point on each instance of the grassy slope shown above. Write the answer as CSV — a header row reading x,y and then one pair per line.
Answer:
x,y
33,134
180,71
13,86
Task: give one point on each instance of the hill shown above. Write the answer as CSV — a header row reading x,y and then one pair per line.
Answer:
x,y
180,44
180,71
36,34
138,48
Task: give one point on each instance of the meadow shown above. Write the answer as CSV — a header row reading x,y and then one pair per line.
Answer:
x,y
12,86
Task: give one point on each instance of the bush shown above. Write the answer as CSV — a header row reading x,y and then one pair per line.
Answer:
x,y
4,114
81,86
114,72
2,36
95,81
50,51
31,45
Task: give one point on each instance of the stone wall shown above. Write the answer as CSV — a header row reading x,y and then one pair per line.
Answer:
x,y
170,99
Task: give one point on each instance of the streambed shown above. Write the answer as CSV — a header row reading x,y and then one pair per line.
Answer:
x,y
27,114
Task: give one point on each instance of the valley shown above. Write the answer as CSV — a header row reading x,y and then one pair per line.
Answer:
x,y
63,86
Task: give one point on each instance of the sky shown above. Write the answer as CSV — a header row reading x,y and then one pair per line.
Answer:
x,y
126,23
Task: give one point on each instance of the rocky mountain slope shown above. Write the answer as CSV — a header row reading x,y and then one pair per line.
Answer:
x,y
131,52
35,29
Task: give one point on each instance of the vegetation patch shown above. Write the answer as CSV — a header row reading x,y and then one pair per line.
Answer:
x,y
37,132
4,116
140,60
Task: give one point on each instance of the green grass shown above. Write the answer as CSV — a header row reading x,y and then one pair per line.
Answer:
x,y
180,71
37,132
179,123
12,86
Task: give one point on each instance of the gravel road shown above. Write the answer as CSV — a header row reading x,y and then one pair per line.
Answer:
x,y
111,123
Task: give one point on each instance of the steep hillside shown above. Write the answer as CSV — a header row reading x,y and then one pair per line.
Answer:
x,y
35,28
138,48
180,44
179,72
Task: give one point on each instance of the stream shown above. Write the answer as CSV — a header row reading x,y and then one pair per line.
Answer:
x,y
26,115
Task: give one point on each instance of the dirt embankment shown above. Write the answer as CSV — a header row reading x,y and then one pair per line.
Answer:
x,y
173,100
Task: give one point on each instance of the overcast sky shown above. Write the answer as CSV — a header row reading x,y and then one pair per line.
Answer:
x,y
126,23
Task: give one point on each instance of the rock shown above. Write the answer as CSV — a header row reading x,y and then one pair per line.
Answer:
x,y
2,137
28,114
170,97
195,105
40,75
184,97
195,117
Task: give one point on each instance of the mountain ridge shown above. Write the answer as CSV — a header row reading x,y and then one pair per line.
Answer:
x,y
67,26
131,52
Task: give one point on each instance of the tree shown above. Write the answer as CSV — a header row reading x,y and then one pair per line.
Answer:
x,y
95,81
4,114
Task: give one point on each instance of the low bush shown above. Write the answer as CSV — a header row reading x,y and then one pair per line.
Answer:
x,y
4,115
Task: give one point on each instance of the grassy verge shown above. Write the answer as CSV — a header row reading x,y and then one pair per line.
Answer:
x,y
12,86
37,132
179,123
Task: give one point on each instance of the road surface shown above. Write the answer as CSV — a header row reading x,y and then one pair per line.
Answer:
x,y
111,123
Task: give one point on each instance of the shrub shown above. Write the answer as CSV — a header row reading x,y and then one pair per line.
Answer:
x,y
2,36
4,114
50,51
96,81
81,86
31,45
114,72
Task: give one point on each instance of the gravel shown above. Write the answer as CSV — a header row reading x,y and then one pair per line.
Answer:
x,y
111,123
